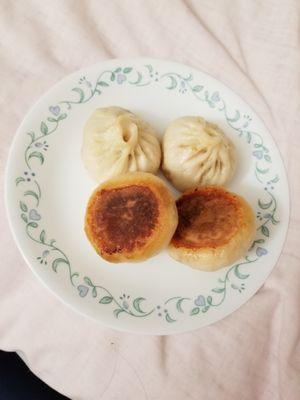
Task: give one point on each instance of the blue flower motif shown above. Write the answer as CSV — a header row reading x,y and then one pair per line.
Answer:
x,y
43,258
34,215
125,304
42,145
121,78
200,301
82,290
124,299
45,253
258,154
215,97
182,88
247,119
55,110
268,215
260,251
239,288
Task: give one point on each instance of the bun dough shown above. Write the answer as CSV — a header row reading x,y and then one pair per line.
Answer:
x,y
131,217
196,152
215,228
116,141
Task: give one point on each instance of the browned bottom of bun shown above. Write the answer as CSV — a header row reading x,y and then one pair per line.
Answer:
x,y
130,217
215,228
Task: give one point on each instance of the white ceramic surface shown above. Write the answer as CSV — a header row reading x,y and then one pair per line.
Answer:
x,y
47,189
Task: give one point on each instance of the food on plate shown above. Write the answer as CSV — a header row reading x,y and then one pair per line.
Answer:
x,y
197,152
116,141
215,228
131,217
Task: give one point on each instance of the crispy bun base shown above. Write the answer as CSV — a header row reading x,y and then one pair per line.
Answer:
x,y
216,228
143,223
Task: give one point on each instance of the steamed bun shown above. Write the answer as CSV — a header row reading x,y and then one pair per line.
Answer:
x,y
196,152
116,141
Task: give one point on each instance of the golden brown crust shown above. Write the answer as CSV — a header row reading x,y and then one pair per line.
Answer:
x,y
123,219
130,217
215,228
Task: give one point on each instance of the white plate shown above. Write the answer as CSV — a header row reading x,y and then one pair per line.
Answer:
x,y
47,189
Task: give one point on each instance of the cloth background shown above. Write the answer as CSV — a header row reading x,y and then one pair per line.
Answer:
x,y
252,46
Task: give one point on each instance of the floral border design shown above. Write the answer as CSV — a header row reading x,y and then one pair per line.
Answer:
x,y
35,156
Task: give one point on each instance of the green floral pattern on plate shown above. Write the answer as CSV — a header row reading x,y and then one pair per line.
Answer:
x,y
234,278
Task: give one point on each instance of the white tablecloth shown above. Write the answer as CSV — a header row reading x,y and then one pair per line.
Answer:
x,y
253,46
